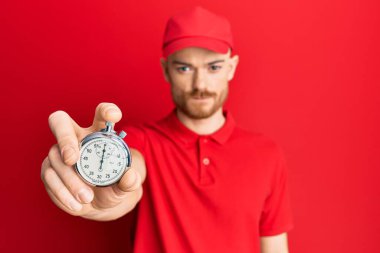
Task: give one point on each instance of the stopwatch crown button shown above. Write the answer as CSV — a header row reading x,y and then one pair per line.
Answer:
x,y
122,134
108,126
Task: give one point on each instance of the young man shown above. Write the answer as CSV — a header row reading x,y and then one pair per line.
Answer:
x,y
211,186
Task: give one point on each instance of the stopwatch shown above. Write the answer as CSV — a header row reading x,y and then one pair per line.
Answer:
x,y
104,157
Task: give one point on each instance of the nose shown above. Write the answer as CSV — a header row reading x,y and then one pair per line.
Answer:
x,y
199,80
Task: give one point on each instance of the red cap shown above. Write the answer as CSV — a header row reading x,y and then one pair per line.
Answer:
x,y
197,27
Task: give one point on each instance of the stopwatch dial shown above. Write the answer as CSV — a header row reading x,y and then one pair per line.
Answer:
x,y
102,161
104,151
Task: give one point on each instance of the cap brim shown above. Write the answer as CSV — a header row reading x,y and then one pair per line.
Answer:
x,y
202,42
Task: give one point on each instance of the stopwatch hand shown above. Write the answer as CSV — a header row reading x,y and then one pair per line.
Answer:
x,y
101,161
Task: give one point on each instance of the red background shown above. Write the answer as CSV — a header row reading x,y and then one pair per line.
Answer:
x,y
308,77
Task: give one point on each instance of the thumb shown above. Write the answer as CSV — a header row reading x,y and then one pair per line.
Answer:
x,y
105,112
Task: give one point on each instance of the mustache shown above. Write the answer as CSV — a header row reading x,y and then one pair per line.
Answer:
x,y
200,93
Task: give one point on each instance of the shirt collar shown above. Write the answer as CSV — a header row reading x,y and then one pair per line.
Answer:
x,y
179,131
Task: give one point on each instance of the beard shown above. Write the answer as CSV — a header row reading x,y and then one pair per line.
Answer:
x,y
186,102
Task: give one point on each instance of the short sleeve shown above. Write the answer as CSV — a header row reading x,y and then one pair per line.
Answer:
x,y
276,216
136,137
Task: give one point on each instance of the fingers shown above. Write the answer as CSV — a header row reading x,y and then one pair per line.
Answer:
x,y
130,181
68,191
83,193
129,188
55,187
65,131
106,112
69,178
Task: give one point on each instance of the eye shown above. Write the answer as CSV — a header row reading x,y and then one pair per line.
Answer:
x,y
183,69
215,67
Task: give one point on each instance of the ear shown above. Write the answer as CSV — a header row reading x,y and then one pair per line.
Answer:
x,y
164,66
233,62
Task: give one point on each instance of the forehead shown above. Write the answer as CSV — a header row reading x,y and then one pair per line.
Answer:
x,y
197,55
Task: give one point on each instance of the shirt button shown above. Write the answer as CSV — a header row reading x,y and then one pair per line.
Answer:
x,y
205,140
206,161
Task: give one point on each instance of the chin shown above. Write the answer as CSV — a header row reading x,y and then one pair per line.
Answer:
x,y
195,109
199,113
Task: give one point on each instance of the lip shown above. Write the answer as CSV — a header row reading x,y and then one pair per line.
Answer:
x,y
200,98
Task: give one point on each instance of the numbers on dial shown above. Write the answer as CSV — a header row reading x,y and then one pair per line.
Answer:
x,y
102,161
104,150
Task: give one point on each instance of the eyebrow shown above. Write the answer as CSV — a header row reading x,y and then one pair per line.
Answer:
x,y
189,64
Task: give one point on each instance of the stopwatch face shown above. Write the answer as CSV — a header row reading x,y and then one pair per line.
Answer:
x,y
102,161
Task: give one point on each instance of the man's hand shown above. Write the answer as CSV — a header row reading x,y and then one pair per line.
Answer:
x,y
64,186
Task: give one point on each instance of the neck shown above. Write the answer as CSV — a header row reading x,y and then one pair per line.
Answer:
x,y
203,126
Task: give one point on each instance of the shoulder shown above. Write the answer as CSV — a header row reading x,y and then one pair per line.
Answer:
x,y
144,130
257,147
138,134
256,139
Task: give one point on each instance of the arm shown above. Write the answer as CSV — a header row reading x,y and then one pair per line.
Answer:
x,y
274,244
64,185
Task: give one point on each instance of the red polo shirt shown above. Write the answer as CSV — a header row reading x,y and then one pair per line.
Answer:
x,y
208,193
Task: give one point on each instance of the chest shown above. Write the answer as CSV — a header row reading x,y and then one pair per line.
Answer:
x,y
207,177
